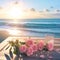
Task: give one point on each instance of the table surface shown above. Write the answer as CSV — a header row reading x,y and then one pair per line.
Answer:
x,y
53,55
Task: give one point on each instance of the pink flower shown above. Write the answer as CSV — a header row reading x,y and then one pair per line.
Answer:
x,y
35,48
41,45
50,46
29,42
23,48
29,51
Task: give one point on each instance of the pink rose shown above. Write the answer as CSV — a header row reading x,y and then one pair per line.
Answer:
x,y
23,48
41,45
35,48
29,51
50,46
29,42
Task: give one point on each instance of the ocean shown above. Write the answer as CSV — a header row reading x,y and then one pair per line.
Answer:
x,y
32,27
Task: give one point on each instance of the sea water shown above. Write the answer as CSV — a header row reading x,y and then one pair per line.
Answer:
x,y
34,27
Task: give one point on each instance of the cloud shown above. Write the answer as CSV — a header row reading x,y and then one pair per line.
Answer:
x,y
32,9
32,13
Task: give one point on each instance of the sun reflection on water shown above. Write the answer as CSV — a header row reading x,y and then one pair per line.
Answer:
x,y
14,32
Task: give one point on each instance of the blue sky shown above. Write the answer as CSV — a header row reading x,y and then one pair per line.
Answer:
x,y
43,4
37,4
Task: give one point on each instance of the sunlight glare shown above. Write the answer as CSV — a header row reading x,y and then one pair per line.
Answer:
x,y
14,32
15,12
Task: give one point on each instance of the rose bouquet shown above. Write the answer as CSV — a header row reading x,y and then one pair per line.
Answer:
x,y
29,48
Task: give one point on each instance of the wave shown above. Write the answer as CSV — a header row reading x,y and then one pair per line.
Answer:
x,y
34,26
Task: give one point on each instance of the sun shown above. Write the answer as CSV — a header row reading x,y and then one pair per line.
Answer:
x,y
15,12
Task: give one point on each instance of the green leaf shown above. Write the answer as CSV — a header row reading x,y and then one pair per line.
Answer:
x,y
16,50
7,57
11,43
11,54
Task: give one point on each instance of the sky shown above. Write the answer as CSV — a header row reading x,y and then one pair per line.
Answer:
x,y
43,4
37,4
